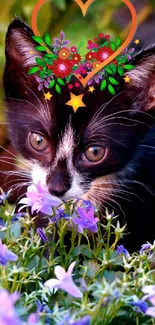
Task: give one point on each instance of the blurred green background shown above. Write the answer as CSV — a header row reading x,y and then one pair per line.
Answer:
x,y
107,16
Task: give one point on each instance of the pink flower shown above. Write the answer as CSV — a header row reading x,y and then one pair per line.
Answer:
x,y
64,281
73,49
39,199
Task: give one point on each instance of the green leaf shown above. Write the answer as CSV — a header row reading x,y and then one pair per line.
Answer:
x,y
48,61
40,62
129,66
103,84
37,39
82,47
51,56
118,41
112,45
42,73
113,81
40,48
120,70
107,69
47,39
61,82
33,70
111,89
49,72
106,44
58,89
69,78
52,83
113,67
123,60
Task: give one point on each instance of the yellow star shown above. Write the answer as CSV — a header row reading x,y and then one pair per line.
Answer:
x,y
76,102
91,89
137,41
127,79
48,96
31,52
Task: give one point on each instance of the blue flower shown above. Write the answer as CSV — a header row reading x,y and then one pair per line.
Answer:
x,y
42,235
6,255
122,250
140,304
145,247
7,312
86,220
4,196
61,214
83,321
19,215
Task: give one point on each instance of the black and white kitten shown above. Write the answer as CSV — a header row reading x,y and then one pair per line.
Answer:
x,y
104,152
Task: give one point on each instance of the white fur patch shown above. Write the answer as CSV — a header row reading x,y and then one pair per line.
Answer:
x,y
39,174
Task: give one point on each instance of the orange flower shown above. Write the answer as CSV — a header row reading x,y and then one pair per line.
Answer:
x,y
96,64
64,53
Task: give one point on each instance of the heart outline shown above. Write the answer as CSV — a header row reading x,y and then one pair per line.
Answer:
x,y
84,8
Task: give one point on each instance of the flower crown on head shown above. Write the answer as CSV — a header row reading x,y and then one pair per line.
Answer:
x,y
61,62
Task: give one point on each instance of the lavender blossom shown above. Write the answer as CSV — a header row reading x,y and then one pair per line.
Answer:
x,y
145,247
83,321
149,293
122,250
64,281
86,220
3,197
39,199
42,235
140,305
6,255
7,312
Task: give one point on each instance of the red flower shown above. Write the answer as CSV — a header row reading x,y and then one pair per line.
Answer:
x,y
73,49
104,53
89,56
76,58
101,35
61,68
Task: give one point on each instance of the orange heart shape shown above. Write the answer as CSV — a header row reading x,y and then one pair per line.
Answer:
x,y
84,8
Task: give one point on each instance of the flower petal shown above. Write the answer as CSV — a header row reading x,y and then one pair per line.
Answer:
x,y
71,267
52,283
60,272
69,286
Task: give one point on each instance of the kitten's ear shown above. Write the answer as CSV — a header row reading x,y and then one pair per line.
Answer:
x,y
20,55
142,77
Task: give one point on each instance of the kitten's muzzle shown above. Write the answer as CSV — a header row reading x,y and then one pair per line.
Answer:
x,y
59,183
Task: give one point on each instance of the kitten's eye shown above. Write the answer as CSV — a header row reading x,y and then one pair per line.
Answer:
x,y
95,153
38,142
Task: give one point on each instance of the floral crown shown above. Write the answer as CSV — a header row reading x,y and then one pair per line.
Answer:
x,y
61,62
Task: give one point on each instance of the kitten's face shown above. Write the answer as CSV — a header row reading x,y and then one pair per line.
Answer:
x,y
82,154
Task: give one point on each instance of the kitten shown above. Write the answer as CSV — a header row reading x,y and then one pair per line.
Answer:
x,y
104,152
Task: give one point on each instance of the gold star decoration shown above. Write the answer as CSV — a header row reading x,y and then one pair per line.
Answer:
x,y
76,102
137,41
91,89
127,79
48,96
31,52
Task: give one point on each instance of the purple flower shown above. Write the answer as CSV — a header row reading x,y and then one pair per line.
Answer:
x,y
83,321
145,247
64,281
122,250
60,215
3,197
150,293
1,223
6,255
33,319
7,312
42,235
150,312
141,305
86,220
39,199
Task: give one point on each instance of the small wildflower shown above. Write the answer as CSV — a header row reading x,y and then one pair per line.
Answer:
x,y
3,197
149,290
6,255
39,199
73,49
140,305
64,53
7,312
61,214
150,312
86,220
122,250
83,321
145,248
42,235
64,281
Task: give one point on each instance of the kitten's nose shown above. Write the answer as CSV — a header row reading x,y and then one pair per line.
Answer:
x,y
59,183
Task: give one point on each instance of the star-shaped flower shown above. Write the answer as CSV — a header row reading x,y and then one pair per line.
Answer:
x,y
64,281
76,102
91,89
137,41
127,79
